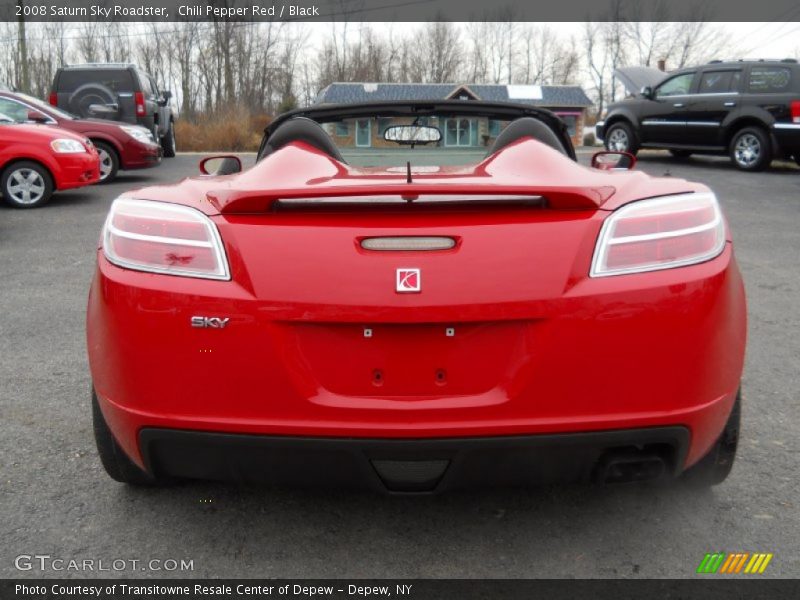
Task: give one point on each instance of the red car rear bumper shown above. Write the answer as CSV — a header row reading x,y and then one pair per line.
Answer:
x,y
623,353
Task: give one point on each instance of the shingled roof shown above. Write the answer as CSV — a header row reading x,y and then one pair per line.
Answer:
x,y
549,96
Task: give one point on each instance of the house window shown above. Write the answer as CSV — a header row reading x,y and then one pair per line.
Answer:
x,y
363,133
383,124
342,129
495,127
571,119
461,132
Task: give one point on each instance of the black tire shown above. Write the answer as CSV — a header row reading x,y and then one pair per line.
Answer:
x,y
92,93
619,137
681,153
715,466
168,141
109,162
116,463
26,184
750,149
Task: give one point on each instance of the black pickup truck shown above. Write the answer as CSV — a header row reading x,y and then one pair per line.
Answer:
x,y
749,110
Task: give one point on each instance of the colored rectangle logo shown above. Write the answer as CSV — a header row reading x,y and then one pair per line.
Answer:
x,y
734,563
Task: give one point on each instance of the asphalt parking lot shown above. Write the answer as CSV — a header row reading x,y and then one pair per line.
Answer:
x,y
56,500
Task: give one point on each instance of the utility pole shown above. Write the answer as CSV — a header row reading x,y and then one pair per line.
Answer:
x,y
24,80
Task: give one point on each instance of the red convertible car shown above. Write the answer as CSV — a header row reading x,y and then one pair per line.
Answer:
x,y
412,298
36,160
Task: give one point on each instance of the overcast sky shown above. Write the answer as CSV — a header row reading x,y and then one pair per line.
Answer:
x,y
754,40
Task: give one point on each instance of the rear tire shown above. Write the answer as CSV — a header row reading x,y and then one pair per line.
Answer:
x,y
750,149
109,162
715,466
619,137
168,141
116,463
681,153
26,184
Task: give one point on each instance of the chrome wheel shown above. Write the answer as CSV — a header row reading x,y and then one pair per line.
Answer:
x,y
106,163
618,140
25,186
747,150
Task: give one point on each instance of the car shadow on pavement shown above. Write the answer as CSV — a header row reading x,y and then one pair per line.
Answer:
x,y
484,533
710,162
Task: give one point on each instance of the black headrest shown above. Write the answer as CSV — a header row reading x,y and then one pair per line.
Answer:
x,y
302,129
526,127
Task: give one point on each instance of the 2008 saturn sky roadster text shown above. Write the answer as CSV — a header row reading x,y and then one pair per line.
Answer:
x,y
377,313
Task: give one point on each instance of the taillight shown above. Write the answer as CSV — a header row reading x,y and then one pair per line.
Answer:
x,y
53,99
794,108
163,238
138,98
661,233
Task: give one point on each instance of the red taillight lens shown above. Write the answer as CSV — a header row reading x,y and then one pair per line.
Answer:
x,y
163,238
138,98
662,233
794,108
53,99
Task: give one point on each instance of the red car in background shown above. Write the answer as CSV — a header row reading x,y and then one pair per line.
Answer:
x,y
36,160
120,146
434,313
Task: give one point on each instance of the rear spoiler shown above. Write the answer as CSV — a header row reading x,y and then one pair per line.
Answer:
x,y
558,197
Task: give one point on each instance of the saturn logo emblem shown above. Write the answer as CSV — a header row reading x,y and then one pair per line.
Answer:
x,y
408,281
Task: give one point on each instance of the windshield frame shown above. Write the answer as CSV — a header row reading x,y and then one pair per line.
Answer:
x,y
326,113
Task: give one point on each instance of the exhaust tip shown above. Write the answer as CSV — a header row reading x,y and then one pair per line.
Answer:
x,y
629,466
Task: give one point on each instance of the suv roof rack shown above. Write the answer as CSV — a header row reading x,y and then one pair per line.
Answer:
x,y
778,60
96,65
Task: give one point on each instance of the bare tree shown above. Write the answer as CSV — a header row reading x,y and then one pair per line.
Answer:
x,y
22,44
437,56
597,60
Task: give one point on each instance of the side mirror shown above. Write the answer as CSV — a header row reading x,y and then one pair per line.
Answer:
x,y
647,92
37,117
613,161
225,164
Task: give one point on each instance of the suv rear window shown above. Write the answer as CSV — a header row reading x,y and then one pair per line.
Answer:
x,y
116,80
769,80
719,82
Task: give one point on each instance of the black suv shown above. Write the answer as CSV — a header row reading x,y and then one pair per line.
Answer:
x,y
747,109
119,92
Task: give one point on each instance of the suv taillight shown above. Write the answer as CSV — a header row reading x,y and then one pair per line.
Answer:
x,y
141,110
53,99
794,108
